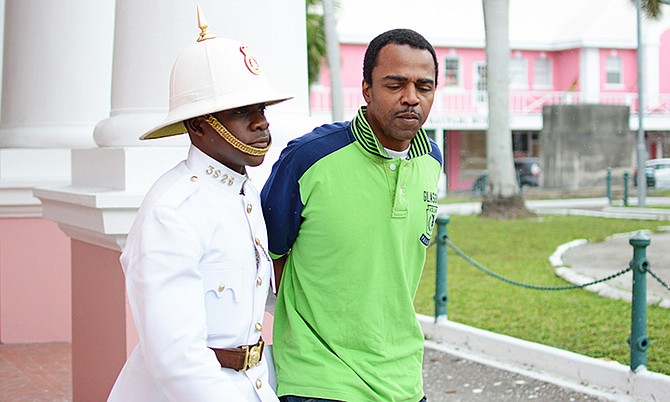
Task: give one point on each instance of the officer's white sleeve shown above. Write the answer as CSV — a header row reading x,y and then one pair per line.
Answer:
x,y
166,296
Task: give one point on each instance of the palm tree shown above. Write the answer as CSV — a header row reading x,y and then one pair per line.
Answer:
x,y
652,8
316,39
322,41
502,197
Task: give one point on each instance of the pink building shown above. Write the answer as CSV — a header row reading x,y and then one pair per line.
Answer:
x,y
567,52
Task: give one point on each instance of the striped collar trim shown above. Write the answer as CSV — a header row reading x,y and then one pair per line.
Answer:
x,y
420,144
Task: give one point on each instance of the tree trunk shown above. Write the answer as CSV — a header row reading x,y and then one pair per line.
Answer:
x,y
502,197
333,52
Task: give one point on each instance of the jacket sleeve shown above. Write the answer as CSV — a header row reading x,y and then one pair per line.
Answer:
x,y
282,205
166,296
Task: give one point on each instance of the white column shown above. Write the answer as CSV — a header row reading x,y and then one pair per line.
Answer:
x,y
589,75
653,30
148,37
55,88
56,72
652,62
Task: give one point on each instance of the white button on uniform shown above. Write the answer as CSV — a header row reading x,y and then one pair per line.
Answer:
x,y
392,166
259,383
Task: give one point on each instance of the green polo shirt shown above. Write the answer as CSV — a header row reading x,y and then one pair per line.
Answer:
x,y
355,224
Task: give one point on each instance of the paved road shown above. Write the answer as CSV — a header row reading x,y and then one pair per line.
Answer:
x,y
449,378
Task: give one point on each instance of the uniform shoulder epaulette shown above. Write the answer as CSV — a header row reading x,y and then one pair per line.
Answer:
x,y
183,187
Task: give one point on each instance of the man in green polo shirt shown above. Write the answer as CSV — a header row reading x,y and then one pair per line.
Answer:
x,y
350,209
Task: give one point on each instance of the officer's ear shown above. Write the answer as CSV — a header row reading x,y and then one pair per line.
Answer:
x,y
195,126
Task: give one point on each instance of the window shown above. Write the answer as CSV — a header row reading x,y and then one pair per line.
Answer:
x,y
518,72
613,68
525,143
480,82
480,77
542,73
452,72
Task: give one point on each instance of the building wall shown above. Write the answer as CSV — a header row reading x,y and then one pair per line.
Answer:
x,y
351,66
566,69
35,285
665,62
579,142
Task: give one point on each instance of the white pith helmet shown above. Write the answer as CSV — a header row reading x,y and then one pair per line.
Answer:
x,y
211,75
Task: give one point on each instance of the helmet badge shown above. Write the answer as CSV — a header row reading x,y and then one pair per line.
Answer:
x,y
250,60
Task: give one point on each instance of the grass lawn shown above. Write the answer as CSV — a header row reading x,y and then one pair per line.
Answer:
x,y
575,320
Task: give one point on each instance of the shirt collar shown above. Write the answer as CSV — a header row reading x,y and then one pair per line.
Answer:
x,y
420,144
214,172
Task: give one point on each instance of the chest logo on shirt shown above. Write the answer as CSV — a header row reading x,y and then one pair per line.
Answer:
x,y
430,199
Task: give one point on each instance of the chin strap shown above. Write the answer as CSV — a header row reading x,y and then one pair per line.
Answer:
x,y
232,140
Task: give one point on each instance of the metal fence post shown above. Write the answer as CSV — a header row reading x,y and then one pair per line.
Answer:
x,y
625,189
441,269
609,185
638,341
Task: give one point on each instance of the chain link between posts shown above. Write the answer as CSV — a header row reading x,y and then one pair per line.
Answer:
x,y
531,286
659,280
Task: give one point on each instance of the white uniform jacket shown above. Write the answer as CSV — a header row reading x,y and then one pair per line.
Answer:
x,y
197,275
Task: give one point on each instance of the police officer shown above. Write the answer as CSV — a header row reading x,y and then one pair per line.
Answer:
x,y
196,262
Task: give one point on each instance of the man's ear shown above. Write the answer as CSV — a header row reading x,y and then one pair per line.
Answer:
x,y
195,126
366,88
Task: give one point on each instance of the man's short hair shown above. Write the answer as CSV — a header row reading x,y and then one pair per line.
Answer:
x,y
398,37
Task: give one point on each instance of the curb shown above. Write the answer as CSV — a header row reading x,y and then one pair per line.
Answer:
x,y
603,289
605,379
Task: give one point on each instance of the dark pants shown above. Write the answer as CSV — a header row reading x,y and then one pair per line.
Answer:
x,y
293,398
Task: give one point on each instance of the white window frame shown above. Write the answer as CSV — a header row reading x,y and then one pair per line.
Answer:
x,y
458,83
518,78
549,74
480,94
616,69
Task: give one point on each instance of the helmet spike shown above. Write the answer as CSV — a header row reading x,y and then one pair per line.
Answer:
x,y
202,24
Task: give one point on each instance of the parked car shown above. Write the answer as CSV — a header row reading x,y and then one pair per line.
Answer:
x,y
661,171
527,174
527,171
657,172
648,174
